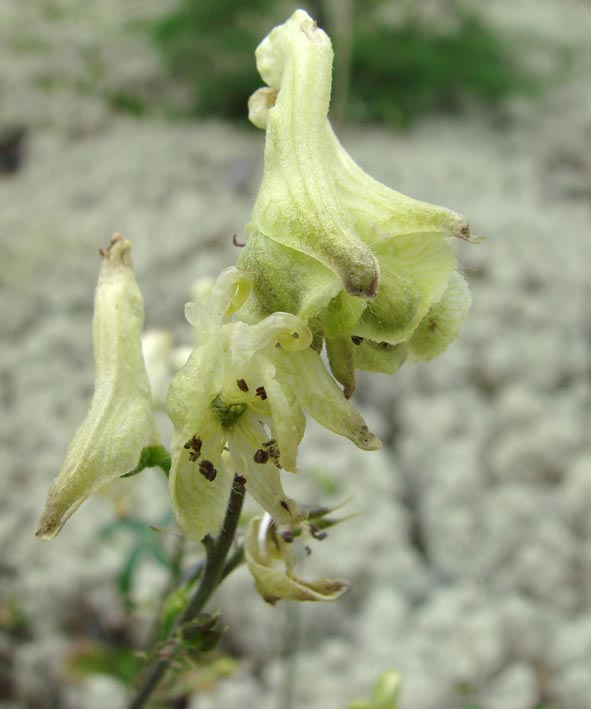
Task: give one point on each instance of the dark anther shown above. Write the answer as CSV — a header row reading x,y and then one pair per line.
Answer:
x,y
295,335
261,456
237,243
356,340
271,443
284,504
384,345
207,470
242,385
240,480
194,445
316,533
287,537
260,391
308,550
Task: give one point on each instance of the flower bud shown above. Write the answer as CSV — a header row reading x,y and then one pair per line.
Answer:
x,y
120,421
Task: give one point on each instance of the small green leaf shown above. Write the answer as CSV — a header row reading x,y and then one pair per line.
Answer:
x,y
151,457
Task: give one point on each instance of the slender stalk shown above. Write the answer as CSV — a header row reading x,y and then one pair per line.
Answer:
x,y
216,553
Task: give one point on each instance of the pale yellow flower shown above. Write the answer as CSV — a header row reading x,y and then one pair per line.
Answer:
x,y
245,387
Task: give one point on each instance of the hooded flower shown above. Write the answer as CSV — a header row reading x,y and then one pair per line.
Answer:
x,y
271,560
120,422
364,265
245,387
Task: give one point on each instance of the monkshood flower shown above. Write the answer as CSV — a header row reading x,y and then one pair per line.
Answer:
x,y
245,387
366,267
120,422
271,560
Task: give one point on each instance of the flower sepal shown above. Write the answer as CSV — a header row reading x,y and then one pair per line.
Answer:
x,y
271,559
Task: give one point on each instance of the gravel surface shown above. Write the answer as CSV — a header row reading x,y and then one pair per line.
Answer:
x,y
469,556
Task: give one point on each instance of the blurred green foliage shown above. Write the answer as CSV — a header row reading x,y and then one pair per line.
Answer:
x,y
208,45
398,71
92,658
146,543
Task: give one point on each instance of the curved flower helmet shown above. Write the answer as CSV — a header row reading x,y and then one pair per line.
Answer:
x,y
366,267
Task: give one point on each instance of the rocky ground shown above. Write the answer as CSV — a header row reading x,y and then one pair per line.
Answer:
x,y
469,555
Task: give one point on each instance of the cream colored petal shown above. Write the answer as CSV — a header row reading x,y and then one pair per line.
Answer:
x,y
120,421
271,564
441,325
305,374
197,383
199,503
288,420
263,480
380,212
415,270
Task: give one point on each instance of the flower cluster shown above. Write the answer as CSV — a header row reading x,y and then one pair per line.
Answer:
x,y
333,257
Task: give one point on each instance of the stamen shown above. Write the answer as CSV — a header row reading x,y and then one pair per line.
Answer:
x,y
284,504
356,339
260,391
207,470
261,456
194,445
316,533
242,385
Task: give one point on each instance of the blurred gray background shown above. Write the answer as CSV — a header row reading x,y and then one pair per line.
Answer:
x,y
469,556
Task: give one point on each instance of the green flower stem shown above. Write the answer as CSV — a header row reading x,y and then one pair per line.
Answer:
x,y
213,573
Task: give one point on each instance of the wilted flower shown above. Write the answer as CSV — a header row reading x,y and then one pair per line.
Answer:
x,y
271,560
245,387
365,266
120,421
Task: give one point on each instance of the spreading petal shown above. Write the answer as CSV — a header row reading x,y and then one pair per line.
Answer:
x,y
305,374
198,501
380,212
199,484
254,457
